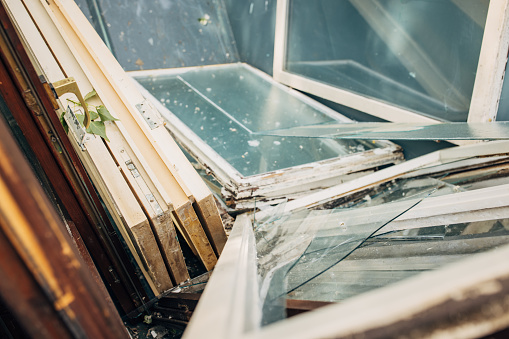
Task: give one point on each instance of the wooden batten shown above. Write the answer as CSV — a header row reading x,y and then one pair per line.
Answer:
x,y
205,205
206,210
189,225
170,247
147,190
146,243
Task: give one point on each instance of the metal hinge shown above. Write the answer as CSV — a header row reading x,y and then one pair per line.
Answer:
x,y
142,185
150,114
77,130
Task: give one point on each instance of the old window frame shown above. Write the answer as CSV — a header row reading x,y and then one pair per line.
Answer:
x,y
487,86
270,184
233,283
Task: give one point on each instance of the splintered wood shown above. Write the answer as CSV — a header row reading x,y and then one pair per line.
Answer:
x,y
144,179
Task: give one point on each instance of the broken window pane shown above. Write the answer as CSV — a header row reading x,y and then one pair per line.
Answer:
x,y
349,248
295,249
393,257
419,55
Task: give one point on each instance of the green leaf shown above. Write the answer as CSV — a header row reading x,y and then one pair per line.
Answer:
x,y
98,128
64,123
104,114
91,94
93,115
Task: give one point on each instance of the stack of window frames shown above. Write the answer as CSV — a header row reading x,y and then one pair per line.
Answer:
x,y
148,189
406,233
218,113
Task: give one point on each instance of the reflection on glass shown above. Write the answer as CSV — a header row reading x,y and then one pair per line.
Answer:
x,y
400,131
393,257
419,55
225,105
293,250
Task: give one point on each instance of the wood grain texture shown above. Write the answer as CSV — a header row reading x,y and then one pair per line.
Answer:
x,y
104,244
37,234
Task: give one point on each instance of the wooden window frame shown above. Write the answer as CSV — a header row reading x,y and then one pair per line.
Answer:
x,y
272,184
396,308
487,86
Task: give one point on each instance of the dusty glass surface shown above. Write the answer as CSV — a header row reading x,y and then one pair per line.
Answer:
x,y
226,105
164,33
419,55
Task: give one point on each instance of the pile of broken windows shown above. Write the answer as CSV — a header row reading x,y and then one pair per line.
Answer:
x,y
333,218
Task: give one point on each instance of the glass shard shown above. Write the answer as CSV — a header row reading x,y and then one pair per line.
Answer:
x,y
398,131
297,248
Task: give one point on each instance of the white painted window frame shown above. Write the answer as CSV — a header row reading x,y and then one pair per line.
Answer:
x,y
487,86
435,162
273,184
232,283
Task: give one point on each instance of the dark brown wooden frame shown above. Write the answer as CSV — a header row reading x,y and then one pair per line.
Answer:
x,y
31,102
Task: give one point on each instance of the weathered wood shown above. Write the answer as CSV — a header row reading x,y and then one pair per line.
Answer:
x,y
146,243
211,221
113,256
147,189
25,299
37,234
205,205
189,224
170,247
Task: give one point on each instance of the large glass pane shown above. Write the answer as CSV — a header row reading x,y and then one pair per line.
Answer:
x,y
226,105
419,55
295,249
393,257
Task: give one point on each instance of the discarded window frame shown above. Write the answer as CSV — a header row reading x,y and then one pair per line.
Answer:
x,y
215,111
390,60
471,220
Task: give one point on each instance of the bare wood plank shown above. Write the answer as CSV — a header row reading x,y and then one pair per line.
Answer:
x,y
205,204
170,247
189,224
